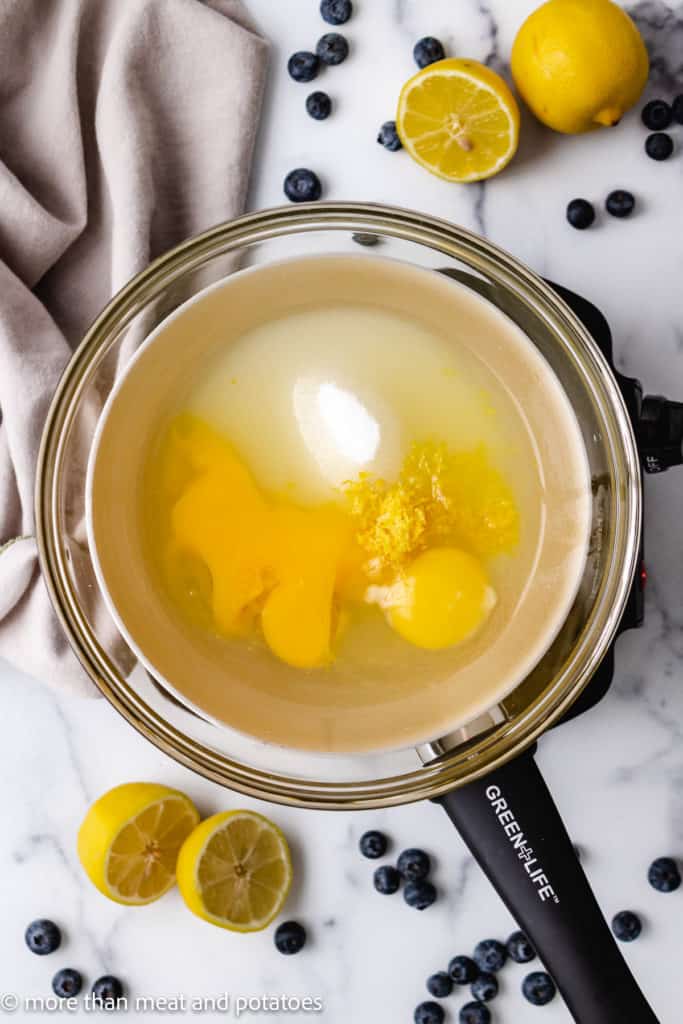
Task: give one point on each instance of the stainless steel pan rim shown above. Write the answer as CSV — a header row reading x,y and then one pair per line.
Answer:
x,y
483,753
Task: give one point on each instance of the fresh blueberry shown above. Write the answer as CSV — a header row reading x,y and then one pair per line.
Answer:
x,y
490,955
677,109
626,926
664,875
43,937
67,983
659,146
538,988
462,970
485,987
373,844
365,238
332,48
336,12
319,105
620,203
388,137
580,214
302,186
419,895
414,865
303,66
427,51
439,985
475,1013
520,949
290,937
656,115
107,990
429,1013
386,879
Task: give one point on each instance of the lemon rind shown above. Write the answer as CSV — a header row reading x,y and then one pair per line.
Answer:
x,y
112,891
502,102
259,924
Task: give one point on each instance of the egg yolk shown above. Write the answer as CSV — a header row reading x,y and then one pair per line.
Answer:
x,y
441,599
415,547
284,564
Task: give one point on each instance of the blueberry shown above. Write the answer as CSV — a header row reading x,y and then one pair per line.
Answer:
x,y
580,214
414,865
626,926
475,1013
659,146
656,115
332,48
388,137
365,238
429,1013
373,844
419,894
67,983
427,51
538,988
677,109
303,66
664,875
319,105
43,937
336,12
490,955
290,937
462,970
520,949
302,186
620,203
439,985
485,987
386,879
107,990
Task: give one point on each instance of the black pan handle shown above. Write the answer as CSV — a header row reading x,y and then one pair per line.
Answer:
x,y
660,433
511,824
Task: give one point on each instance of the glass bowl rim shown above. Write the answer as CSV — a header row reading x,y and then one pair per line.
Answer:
x,y
482,754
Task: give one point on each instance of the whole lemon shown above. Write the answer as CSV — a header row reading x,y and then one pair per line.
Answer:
x,y
579,64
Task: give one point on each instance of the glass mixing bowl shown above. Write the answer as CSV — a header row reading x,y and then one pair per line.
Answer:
x,y
286,775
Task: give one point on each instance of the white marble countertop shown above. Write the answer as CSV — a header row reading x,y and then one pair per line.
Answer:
x,y
617,772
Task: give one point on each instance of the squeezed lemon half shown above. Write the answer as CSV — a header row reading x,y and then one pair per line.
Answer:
x,y
235,871
459,119
129,841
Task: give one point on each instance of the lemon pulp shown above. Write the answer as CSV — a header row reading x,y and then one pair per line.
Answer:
x,y
129,840
459,120
235,870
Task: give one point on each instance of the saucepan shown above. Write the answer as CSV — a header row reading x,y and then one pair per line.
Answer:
x,y
483,772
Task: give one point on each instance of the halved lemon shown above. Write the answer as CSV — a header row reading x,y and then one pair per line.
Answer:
x,y
235,871
129,841
458,119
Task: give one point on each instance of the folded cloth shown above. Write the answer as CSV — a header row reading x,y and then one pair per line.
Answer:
x,y
125,126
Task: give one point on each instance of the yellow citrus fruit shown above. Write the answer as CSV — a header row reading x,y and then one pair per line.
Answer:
x,y
129,841
579,64
235,871
458,119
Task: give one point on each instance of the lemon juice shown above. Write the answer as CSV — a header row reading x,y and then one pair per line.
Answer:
x,y
370,501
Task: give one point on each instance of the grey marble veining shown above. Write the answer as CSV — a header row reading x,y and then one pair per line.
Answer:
x,y
617,772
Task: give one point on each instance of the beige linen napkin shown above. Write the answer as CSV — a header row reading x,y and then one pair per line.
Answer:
x,y
125,126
